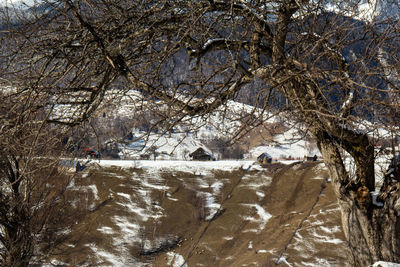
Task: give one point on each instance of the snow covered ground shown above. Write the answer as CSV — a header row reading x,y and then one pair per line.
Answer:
x,y
178,146
385,264
195,167
190,134
286,145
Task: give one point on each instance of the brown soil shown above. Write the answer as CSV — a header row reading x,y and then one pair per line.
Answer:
x,y
304,226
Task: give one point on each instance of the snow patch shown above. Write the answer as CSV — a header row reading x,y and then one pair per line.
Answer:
x,y
217,186
282,259
211,205
195,167
202,183
106,230
254,167
113,260
256,182
385,264
334,229
129,230
175,260
262,214
124,195
260,194
325,239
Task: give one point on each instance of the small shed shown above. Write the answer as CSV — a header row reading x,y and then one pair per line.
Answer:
x,y
312,158
201,154
264,158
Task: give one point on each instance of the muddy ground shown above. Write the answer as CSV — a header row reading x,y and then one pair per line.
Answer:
x,y
282,215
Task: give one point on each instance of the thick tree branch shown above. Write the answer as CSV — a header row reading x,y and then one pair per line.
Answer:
x,y
285,13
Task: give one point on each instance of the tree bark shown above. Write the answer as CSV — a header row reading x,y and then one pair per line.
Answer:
x,y
371,230
19,240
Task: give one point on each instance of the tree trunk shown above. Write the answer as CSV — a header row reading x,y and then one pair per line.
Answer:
x,y
19,239
372,229
372,234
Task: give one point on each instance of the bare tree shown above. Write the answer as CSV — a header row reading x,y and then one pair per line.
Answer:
x,y
320,63
35,211
35,208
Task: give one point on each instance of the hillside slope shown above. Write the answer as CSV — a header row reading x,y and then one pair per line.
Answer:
x,y
207,214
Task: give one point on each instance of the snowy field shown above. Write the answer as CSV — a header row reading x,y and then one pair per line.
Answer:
x,y
181,165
